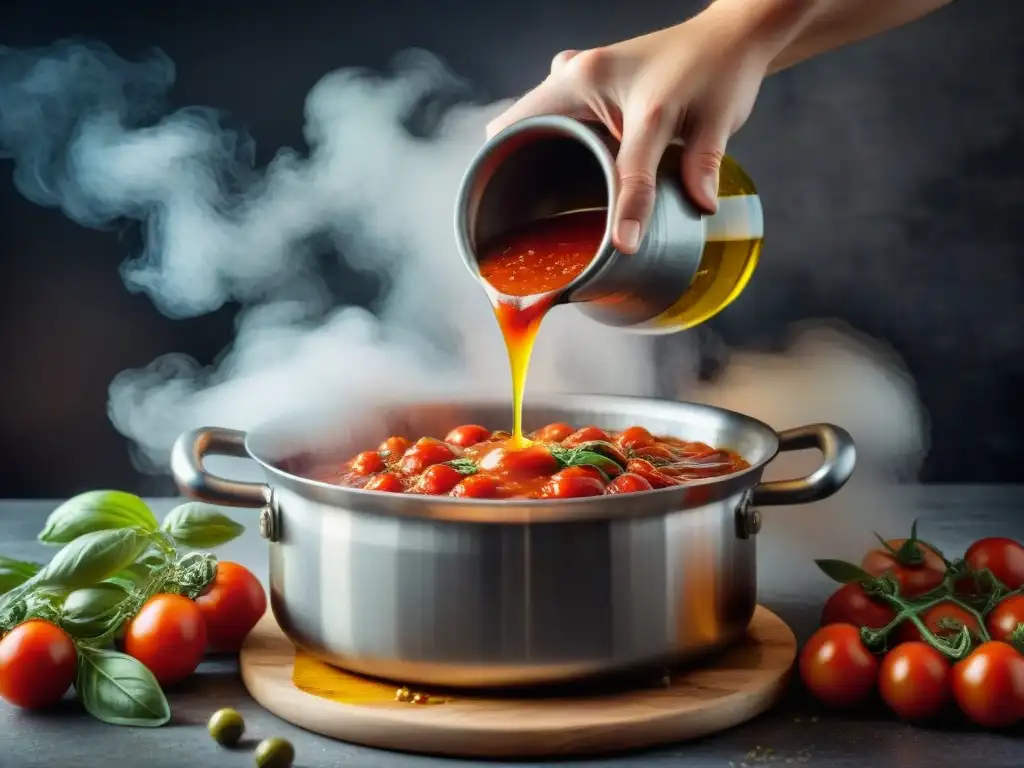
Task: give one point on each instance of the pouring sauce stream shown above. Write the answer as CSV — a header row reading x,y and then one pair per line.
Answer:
x,y
527,270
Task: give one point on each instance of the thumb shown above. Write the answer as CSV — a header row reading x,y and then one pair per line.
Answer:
x,y
645,136
553,96
702,160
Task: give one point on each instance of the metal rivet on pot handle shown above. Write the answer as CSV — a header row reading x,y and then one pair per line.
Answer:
x,y
193,480
839,456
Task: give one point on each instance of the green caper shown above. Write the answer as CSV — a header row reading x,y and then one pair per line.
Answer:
x,y
226,727
274,753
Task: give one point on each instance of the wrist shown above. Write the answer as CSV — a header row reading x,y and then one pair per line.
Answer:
x,y
763,27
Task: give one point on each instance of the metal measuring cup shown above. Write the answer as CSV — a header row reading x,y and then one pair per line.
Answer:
x,y
549,165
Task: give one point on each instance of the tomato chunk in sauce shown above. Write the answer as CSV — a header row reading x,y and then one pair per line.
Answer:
x,y
560,462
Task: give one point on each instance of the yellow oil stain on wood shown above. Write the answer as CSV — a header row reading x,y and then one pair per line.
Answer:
x,y
320,679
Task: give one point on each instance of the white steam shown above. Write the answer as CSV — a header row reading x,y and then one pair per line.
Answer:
x,y
89,133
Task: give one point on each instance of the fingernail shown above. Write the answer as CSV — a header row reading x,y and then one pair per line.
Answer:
x,y
710,188
629,234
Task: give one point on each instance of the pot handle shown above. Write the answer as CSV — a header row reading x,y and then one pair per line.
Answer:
x,y
839,457
193,480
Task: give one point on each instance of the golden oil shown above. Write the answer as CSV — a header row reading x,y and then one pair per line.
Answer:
x,y
732,247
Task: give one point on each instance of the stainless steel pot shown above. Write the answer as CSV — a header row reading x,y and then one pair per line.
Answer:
x,y
483,593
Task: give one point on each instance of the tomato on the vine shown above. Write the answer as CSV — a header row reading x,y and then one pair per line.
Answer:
x,y
989,685
168,636
914,681
850,604
944,620
231,606
1003,557
836,666
37,664
913,579
1004,619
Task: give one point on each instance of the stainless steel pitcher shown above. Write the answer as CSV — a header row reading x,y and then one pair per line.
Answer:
x,y
689,266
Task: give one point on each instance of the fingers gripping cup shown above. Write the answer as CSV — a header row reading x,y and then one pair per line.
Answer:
x,y
689,266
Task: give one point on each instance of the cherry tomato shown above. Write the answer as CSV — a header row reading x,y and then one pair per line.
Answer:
x,y
628,483
169,636
1004,619
989,685
851,605
560,486
913,580
231,606
388,482
37,664
425,453
394,446
553,433
438,479
477,487
1003,557
582,471
585,435
367,462
467,435
836,666
532,461
935,618
500,436
648,472
635,437
915,681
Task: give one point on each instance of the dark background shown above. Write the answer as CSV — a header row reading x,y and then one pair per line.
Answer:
x,y
891,174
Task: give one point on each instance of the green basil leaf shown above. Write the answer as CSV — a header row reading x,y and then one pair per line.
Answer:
x,y
463,466
96,511
93,557
92,611
200,526
14,573
117,689
843,572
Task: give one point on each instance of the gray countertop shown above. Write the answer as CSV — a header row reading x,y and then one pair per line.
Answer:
x,y
795,733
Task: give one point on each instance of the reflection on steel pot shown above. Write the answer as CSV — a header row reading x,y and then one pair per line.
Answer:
x,y
467,592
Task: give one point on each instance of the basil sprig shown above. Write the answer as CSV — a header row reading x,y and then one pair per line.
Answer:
x,y
114,557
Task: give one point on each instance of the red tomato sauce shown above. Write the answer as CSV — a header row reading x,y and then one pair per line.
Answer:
x,y
560,462
545,255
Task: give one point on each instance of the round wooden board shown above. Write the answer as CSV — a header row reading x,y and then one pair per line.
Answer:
x,y
735,687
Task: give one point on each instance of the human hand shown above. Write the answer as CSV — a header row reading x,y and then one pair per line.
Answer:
x,y
696,81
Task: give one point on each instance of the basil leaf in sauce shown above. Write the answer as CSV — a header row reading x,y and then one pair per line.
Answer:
x,y
96,511
117,689
463,466
579,457
91,558
200,526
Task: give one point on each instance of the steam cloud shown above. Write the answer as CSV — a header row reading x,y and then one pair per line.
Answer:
x,y
94,135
